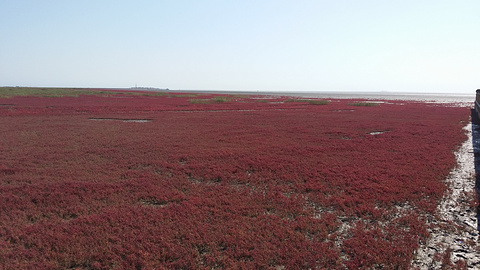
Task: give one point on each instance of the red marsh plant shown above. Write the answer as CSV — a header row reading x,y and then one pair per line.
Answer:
x,y
234,184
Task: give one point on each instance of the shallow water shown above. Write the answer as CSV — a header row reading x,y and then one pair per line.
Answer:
x,y
465,99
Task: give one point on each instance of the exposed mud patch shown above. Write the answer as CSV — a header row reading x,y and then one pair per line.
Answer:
x,y
152,202
122,120
343,110
378,132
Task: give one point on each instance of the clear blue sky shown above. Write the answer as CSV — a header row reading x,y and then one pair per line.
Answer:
x,y
368,45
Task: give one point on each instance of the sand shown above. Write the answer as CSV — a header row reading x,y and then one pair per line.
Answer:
x,y
454,230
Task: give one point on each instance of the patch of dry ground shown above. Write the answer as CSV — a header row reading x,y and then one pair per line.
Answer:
x,y
454,233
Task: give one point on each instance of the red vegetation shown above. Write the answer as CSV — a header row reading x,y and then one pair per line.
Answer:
x,y
238,183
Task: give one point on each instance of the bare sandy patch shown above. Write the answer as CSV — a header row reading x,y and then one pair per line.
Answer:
x,y
453,230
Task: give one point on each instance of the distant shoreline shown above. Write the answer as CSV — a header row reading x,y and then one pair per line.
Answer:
x,y
383,95
373,95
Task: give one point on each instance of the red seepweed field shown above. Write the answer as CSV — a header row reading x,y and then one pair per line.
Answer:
x,y
115,180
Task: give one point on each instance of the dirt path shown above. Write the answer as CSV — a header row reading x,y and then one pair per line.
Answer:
x,y
454,233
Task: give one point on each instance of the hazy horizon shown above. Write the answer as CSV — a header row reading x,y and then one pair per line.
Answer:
x,y
283,46
253,91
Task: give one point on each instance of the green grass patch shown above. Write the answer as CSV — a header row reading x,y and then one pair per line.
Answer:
x,y
217,99
310,101
318,102
199,101
221,99
183,95
7,92
363,104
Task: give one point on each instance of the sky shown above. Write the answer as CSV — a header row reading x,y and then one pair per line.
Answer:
x,y
253,45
